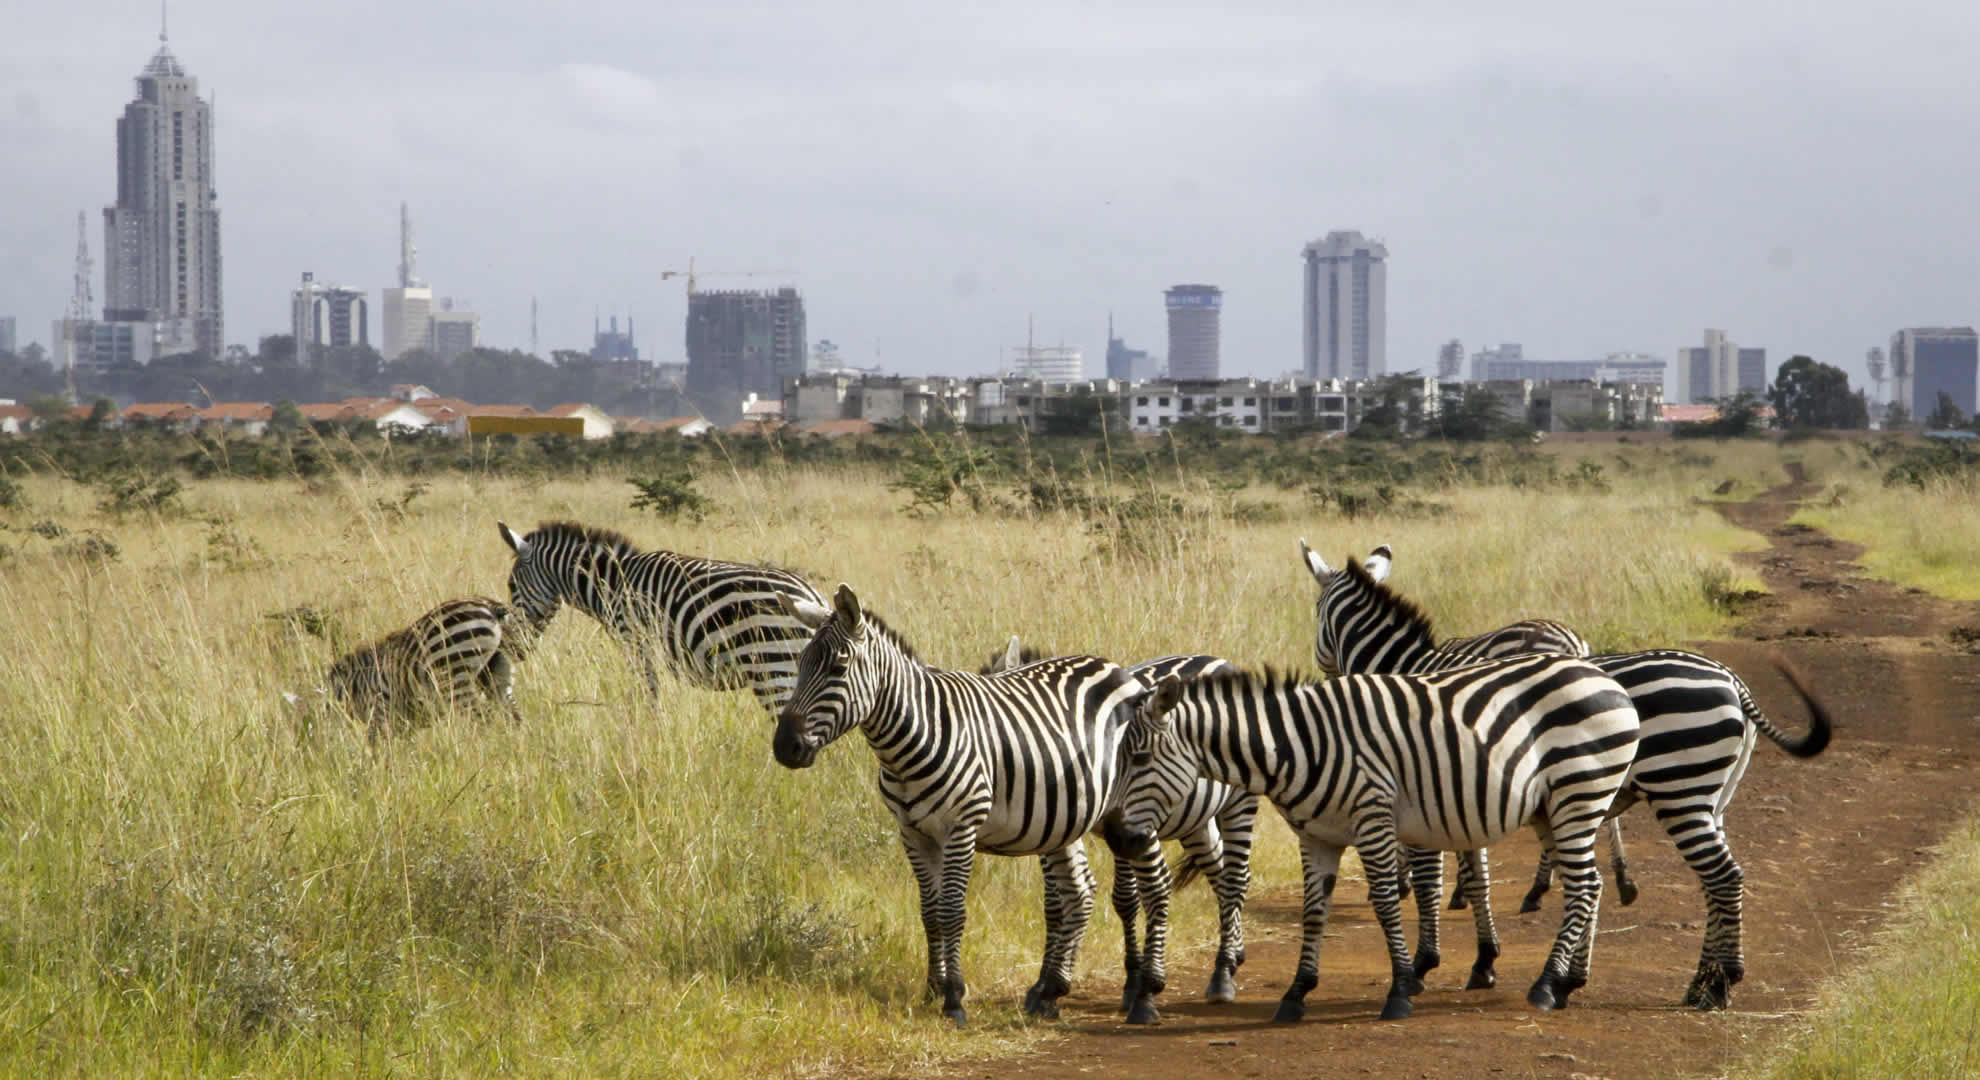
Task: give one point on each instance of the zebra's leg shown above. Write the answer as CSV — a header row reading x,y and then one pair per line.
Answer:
x,y
1151,872
1320,862
1074,893
958,855
1474,877
1461,892
1053,928
498,679
1572,840
1543,879
1426,879
1721,962
1127,906
1625,888
925,858
1381,854
1233,881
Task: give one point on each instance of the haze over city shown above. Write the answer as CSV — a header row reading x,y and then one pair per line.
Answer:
x,y
1576,180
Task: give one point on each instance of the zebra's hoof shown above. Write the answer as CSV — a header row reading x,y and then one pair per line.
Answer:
x,y
1426,962
1397,1007
1032,998
1222,989
1542,995
1458,902
1482,979
1625,891
1289,1012
1532,901
957,1016
1708,992
1130,991
1143,1012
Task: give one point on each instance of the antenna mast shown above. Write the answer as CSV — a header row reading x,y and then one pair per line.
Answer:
x,y
408,252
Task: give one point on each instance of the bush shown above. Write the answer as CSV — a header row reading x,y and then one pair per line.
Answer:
x,y
671,494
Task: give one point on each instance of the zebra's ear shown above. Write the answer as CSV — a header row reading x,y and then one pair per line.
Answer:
x,y
516,543
847,605
1379,563
1315,565
1168,691
811,615
1012,655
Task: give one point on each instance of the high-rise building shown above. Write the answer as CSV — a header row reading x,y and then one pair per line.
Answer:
x,y
1048,363
1123,363
162,238
1719,369
1347,307
327,316
1450,360
451,333
407,317
1929,360
1194,314
1508,361
613,347
8,343
742,342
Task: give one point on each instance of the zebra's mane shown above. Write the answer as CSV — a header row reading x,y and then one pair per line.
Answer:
x,y
1267,679
1027,654
619,542
875,622
1391,602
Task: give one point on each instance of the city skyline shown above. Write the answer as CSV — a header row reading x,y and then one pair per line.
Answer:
x,y
920,237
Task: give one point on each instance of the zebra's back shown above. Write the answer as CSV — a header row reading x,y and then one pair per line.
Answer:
x,y
447,658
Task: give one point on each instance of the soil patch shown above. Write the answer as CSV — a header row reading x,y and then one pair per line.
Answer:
x,y
1823,844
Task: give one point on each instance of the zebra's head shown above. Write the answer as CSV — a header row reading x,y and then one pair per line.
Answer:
x,y
1341,601
1160,769
835,678
533,590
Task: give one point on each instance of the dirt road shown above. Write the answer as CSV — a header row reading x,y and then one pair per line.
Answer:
x,y
1823,843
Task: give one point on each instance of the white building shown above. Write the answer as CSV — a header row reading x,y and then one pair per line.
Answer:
x,y
1048,363
407,318
1347,307
1719,369
1231,403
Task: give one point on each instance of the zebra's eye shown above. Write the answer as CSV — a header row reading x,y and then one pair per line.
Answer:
x,y
1141,757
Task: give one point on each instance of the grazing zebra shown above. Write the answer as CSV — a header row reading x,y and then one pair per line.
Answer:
x,y
449,657
1018,763
1213,821
1698,726
1374,651
1451,761
721,624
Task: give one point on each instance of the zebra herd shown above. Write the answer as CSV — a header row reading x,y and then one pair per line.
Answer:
x,y
1409,748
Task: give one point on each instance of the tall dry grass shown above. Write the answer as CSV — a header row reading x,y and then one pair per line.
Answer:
x,y
192,883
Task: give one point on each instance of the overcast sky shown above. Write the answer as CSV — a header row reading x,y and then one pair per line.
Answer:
x,y
1577,179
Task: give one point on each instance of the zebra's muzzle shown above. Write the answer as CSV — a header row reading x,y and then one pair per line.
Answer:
x,y
793,751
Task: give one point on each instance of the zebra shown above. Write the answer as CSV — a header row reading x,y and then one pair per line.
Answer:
x,y
1699,722
720,624
1018,763
1213,821
449,657
1372,652
1454,761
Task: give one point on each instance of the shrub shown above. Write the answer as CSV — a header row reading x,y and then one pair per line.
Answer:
x,y
670,494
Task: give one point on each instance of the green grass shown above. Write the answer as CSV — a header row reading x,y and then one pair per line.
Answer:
x,y
1914,1009
192,885
1925,538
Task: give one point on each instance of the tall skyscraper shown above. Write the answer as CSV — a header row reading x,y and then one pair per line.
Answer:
x,y
742,342
1347,307
162,238
1125,364
1195,312
407,317
1450,360
327,316
1929,360
1719,369
7,342
451,333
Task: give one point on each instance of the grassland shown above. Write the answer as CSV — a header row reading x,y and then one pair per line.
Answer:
x,y
1925,534
192,884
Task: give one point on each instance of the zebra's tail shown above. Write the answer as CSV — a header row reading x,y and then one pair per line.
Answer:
x,y
1820,725
1194,866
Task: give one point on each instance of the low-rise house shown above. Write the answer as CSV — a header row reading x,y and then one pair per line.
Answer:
x,y
173,414
835,429
238,417
15,419
597,423
687,427
411,392
394,417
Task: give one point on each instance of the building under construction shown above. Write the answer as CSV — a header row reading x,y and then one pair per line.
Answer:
x,y
740,343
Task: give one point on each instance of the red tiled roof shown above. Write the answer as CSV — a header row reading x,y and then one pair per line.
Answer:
x,y
672,423
570,408
832,429
237,410
501,410
435,404
20,412
327,410
161,410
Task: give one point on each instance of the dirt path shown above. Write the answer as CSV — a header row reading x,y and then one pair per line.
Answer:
x,y
1823,843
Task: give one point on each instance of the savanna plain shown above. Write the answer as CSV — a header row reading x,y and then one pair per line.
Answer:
x,y
196,878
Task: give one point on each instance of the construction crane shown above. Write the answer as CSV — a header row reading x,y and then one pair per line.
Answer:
x,y
690,274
